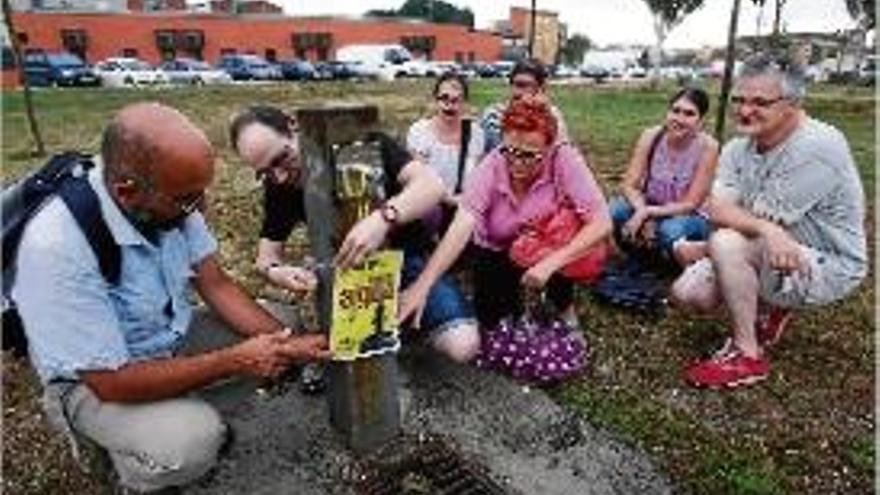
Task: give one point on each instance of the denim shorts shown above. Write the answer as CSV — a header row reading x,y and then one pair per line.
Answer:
x,y
446,305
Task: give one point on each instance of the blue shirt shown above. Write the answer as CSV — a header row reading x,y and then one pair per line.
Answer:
x,y
74,320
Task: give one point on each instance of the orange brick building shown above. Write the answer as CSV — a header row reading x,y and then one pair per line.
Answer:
x,y
157,36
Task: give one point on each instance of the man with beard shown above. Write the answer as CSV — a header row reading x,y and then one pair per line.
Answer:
x,y
119,362
789,209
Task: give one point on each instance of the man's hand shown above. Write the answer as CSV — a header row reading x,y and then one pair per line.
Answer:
x,y
262,355
293,278
412,304
307,347
364,238
783,251
537,276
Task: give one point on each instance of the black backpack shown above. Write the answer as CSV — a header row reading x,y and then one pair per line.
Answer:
x,y
63,175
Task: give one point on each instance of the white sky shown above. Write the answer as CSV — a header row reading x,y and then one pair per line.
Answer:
x,y
624,21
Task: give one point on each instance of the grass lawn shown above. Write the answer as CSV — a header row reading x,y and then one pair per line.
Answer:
x,y
809,429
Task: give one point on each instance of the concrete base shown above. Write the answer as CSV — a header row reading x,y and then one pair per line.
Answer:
x,y
284,443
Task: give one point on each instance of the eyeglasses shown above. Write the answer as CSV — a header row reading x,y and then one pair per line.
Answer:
x,y
687,112
526,157
449,99
285,159
757,102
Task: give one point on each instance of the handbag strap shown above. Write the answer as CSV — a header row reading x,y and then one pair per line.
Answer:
x,y
655,141
463,152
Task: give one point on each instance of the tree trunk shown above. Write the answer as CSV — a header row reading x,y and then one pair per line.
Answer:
x,y
727,81
19,62
532,29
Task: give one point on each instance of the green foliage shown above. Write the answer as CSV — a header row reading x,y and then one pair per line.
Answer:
x,y
430,10
866,8
572,52
672,12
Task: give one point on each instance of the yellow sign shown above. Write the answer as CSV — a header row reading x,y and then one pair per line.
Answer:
x,y
365,308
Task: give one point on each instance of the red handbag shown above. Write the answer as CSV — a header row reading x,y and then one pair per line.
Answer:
x,y
546,235
539,239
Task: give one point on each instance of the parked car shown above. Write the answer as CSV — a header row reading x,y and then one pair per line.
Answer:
x,y
192,71
595,72
385,62
297,70
504,67
125,71
248,67
565,71
58,69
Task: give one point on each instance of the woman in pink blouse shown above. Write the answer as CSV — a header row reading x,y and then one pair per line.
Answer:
x,y
517,183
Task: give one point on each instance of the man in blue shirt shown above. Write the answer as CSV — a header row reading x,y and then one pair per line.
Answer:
x,y
112,359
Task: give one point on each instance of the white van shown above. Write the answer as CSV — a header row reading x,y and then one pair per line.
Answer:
x,y
385,62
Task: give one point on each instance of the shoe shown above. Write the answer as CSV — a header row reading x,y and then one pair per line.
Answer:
x,y
728,368
770,325
312,380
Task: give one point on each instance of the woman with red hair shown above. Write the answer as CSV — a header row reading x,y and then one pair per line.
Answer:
x,y
523,180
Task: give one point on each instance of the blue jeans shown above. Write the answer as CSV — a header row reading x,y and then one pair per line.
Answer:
x,y
446,305
669,229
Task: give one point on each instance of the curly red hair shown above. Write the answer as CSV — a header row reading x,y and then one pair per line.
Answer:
x,y
530,115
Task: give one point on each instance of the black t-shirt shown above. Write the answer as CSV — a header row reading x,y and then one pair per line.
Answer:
x,y
284,205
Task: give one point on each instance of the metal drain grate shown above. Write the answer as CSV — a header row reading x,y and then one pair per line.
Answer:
x,y
423,465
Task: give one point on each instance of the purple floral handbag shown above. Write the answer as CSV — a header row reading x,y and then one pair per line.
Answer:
x,y
534,348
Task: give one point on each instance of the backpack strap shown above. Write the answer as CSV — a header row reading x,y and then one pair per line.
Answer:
x,y
83,203
463,153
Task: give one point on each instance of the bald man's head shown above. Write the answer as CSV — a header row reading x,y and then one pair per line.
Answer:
x,y
158,143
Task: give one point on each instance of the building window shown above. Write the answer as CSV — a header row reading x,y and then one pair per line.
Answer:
x,y
7,57
165,43
271,55
191,43
22,38
459,57
319,43
129,52
472,57
420,46
75,41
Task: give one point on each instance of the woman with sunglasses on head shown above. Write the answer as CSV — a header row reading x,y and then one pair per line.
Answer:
x,y
439,141
517,183
667,181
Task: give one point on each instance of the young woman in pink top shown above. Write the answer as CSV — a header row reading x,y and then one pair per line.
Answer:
x,y
517,183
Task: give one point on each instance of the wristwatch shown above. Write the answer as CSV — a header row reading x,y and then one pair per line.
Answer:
x,y
390,214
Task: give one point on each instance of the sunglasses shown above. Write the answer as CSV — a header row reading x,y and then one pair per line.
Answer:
x,y
687,112
284,160
449,99
757,102
527,157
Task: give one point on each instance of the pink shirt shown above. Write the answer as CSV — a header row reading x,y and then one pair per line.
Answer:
x,y
500,215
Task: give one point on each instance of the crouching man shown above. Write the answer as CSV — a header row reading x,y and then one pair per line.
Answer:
x,y
120,362
789,209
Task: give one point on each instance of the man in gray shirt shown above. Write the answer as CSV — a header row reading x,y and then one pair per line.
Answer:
x,y
789,210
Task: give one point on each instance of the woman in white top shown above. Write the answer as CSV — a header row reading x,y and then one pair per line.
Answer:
x,y
437,140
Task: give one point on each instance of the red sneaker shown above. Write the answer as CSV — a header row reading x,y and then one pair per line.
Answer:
x,y
729,368
770,325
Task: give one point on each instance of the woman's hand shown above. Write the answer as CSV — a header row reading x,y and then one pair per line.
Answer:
x,y
412,304
293,278
632,226
537,276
